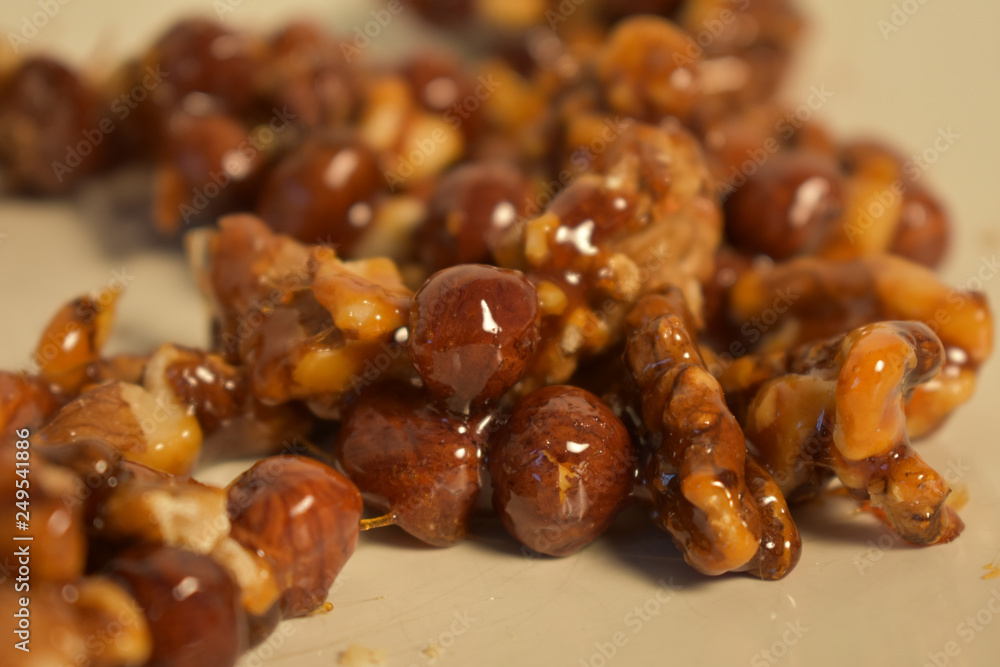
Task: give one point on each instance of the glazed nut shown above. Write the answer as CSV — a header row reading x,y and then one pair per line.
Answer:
x,y
45,108
837,405
416,462
183,595
698,477
253,574
473,329
147,428
303,516
561,467
471,208
59,551
150,506
324,189
366,298
103,607
73,339
646,69
787,206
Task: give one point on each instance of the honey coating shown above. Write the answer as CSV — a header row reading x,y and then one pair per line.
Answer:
x,y
473,329
414,461
787,207
469,211
588,253
73,339
825,297
561,467
696,476
207,169
323,190
811,410
302,516
643,222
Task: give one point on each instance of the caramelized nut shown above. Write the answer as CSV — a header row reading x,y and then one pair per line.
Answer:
x,y
303,517
414,461
183,595
472,330
787,207
146,427
646,70
561,468
323,190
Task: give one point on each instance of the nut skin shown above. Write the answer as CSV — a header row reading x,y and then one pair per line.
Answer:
x,y
45,108
413,460
190,602
304,517
439,84
469,211
473,329
562,467
201,56
924,230
787,206
323,191
206,154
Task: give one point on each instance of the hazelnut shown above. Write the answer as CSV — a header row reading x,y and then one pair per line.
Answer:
x,y
303,516
413,460
191,604
561,467
472,330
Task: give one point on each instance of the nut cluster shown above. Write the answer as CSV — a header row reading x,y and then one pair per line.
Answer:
x,y
598,264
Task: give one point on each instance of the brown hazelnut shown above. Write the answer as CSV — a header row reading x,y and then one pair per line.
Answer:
x,y
787,207
303,516
191,603
414,461
472,330
561,467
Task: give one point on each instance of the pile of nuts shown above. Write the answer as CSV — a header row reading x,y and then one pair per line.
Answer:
x,y
554,267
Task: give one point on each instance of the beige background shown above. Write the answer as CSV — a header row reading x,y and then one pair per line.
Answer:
x,y
938,71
